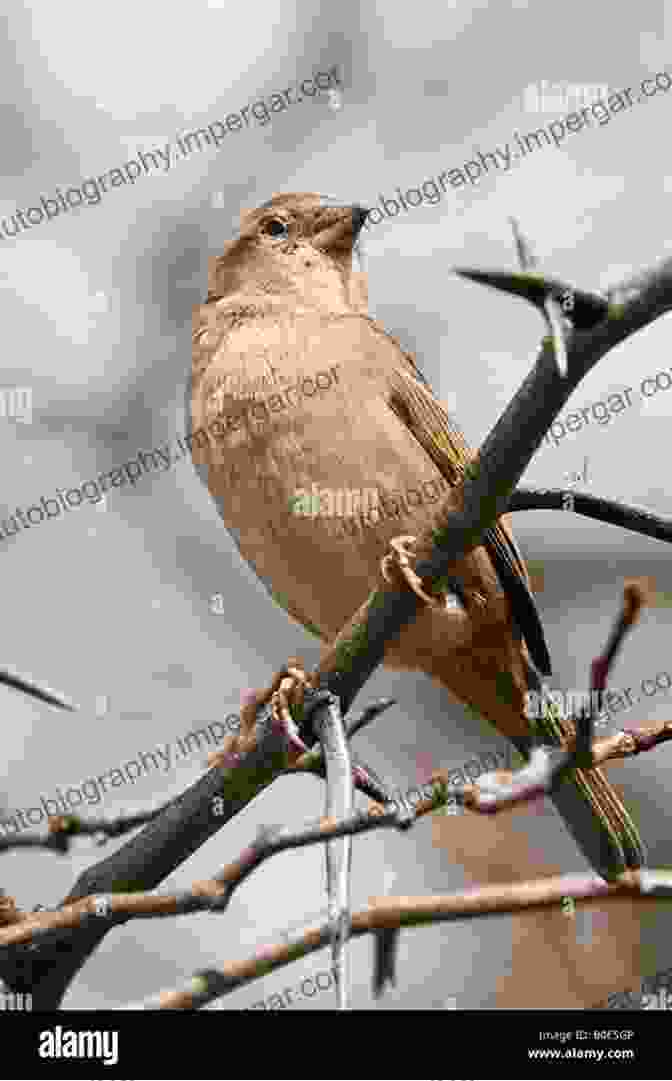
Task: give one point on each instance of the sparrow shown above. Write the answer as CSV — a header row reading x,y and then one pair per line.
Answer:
x,y
295,388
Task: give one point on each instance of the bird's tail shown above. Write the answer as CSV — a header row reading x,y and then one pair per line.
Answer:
x,y
592,810
600,823
491,673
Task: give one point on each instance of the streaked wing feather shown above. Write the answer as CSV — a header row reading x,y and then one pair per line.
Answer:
x,y
440,436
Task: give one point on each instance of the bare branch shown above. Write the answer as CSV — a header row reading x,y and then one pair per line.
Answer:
x,y
213,894
494,792
63,829
627,516
50,842
388,913
365,778
367,715
636,595
628,742
201,810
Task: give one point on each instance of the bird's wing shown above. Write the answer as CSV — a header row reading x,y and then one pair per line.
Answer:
x,y
436,431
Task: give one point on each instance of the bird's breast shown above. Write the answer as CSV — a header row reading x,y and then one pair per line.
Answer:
x,y
311,469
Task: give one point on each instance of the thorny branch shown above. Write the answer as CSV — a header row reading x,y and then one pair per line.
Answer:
x,y
64,829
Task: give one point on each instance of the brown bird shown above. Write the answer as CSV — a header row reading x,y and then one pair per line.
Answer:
x,y
297,390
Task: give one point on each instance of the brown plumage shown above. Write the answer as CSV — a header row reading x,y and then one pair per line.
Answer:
x,y
295,386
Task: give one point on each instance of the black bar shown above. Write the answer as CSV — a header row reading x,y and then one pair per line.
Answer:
x,y
501,1043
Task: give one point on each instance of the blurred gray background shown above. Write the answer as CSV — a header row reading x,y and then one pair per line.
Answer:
x,y
112,604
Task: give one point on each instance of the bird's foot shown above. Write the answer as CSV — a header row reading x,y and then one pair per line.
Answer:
x,y
290,693
398,563
286,692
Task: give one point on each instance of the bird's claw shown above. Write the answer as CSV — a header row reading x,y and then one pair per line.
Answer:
x,y
399,560
287,690
291,692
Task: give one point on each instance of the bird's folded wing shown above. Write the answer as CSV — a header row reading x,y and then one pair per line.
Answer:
x,y
431,425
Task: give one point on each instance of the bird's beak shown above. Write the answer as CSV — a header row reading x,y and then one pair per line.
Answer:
x,y
338,227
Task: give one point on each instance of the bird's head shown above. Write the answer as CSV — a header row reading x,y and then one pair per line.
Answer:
x,y
294,246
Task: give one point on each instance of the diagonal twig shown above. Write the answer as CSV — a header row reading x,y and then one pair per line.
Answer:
x,y
387,913
366,779
635,596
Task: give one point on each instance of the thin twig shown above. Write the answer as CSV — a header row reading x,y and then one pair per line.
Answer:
x,y
208,895
365,777
627,516
494,792
63,829
393,912
367,715
636,595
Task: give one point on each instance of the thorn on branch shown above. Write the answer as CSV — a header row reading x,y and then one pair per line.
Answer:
x,y
386,945
34,690
367,715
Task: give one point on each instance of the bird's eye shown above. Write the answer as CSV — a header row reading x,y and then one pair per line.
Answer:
x,y
275,227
